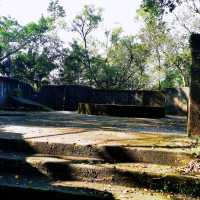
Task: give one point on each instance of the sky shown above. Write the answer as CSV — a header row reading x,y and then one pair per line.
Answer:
x,y
115,13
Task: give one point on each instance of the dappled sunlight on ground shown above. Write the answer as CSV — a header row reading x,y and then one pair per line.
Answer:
x,y
72,128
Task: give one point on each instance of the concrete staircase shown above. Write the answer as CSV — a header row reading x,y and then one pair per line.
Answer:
x,y
41,169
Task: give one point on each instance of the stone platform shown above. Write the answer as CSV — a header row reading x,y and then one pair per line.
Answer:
x,y
67,155
73,128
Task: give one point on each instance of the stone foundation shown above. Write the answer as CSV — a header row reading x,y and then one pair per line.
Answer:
x,y
121,110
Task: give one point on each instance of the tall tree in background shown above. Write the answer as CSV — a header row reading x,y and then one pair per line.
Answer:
x,y
155,35
35,53
72,71
56,10
32,51
83,24
35,64
14,37
174,49
125,62
186,12
122,66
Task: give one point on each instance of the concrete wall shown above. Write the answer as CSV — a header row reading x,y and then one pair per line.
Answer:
x,y
176,101
52,96
8,85
67,97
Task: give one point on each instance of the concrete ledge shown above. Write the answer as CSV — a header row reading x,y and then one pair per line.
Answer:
x,y
110,154
152,176
121,110
42,188
77,190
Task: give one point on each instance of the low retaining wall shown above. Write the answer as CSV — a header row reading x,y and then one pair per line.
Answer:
x,y
121,110
8,85
68,97
177,101
52,96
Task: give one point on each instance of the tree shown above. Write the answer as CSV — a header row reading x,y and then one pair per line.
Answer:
x,y
164,6
160,7
73,69
177,63
185,12
155,35
14,37
56,10
33,68
33,51
125,63
84,24
169,48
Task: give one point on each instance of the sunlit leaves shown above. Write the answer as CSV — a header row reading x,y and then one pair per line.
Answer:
x,y
87,20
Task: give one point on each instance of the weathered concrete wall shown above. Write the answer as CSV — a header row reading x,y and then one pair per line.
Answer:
x,y
128,97
176,101
67,97
121,110
194,101
64,97
8,85
52,96
74,94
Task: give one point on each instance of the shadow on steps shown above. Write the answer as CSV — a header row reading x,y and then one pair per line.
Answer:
x,y
13,187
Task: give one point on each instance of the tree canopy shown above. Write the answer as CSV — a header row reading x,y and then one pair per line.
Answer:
x,y
157,56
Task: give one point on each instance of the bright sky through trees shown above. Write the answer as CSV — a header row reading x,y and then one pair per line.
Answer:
x,y
115,12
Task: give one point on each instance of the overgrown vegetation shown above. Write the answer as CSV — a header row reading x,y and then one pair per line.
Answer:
x,y
157,57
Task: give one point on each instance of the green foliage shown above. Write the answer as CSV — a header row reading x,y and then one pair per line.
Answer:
x,y
72,71
159,7
56,10
32,67
36,63
84,24
127,60
178,65
155,35
86,21
123,67
169,54
14,37
32,52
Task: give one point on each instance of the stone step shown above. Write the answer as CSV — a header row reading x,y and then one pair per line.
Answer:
x,y
40,187
108,153
37,187
39,164
145,175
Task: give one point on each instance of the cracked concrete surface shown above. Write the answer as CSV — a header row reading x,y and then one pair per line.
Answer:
x,y
73,128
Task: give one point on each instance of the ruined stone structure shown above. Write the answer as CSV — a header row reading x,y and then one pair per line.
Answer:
x,y
176,101
8,85
69,96
122,110
194,101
